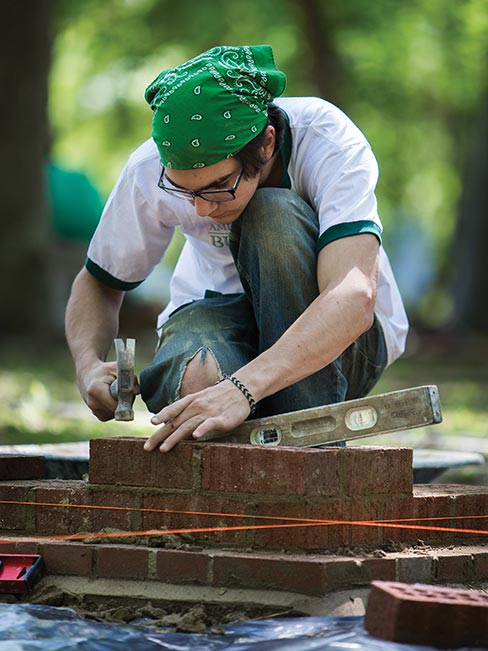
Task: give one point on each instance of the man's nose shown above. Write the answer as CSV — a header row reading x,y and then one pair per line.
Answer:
x,y
203,208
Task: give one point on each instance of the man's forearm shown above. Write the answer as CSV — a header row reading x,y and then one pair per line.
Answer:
x,y
328,326
92,317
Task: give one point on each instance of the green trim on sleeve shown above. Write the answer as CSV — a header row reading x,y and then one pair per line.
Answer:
x,y
210,293
107,279
346,230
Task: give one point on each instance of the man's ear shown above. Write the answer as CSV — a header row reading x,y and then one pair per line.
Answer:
x,y
269,142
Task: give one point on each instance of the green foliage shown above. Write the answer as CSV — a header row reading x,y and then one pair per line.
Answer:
x,y
411,76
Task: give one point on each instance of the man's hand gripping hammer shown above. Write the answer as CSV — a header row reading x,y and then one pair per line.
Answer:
x,y
122,389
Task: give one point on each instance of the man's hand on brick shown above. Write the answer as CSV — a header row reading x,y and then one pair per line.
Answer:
x,y
221,407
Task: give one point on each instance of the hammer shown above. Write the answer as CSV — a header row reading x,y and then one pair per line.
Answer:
x,y
122,389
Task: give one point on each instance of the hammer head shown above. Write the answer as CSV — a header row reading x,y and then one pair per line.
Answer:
x,y
122,389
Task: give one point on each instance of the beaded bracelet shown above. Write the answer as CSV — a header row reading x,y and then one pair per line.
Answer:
x,y
242,388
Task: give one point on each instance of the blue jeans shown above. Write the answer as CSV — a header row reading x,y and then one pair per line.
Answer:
x,y
273,244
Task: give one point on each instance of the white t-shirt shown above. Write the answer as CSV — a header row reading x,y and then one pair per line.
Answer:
x,y
327,161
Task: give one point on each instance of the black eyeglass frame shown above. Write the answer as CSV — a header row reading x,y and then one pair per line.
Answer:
x,y
190,194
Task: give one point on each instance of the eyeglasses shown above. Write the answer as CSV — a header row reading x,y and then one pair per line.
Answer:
x,y
215,196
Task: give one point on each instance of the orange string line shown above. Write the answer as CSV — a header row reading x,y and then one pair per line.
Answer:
x,y
161,532
298,522
232,515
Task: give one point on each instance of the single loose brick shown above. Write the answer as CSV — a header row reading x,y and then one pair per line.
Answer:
x,y
13,466
123,461
270,471
427,615
373,470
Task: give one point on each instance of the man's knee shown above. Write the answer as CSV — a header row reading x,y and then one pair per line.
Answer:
x,y
200,372
275,218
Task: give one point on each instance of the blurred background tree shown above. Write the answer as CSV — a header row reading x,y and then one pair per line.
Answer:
x,y
25,51
411,75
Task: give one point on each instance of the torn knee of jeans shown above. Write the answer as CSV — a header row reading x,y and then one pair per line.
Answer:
x,y
203,354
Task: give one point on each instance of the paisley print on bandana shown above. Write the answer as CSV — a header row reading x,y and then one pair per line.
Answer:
x,y
219,100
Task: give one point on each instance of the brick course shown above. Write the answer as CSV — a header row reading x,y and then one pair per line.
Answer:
x,y
270,471
229,468
123,461
260,489
306,574
13,466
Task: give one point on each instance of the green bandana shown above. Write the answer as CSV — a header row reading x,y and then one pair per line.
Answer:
x,y
210,107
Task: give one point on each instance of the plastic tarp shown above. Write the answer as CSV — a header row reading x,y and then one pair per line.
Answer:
x,y
27,627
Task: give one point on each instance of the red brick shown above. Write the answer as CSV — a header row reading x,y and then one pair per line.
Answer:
x,y
427,615
60,519
415,569
412,514
481,566
470,504
188,512
316,537
19,547
270,471
376,471
14,516
14,466
80,517
277,572
118,517
174,566
345,572
379,569
123,461
121,561
68,558
454,567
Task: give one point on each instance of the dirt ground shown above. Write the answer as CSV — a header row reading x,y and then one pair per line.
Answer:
x,y
202,617
181,617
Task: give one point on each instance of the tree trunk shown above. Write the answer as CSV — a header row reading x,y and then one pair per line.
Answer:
x,y
470,249
318,28
25,50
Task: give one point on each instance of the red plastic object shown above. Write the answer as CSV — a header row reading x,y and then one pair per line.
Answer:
x,y
19,572
427,615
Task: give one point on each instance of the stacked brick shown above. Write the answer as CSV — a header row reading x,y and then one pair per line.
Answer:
x,y
285,510
314,574
268,498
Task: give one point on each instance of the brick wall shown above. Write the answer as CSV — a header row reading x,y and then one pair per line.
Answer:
x,y
198,486
305,574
